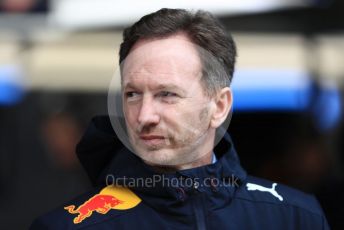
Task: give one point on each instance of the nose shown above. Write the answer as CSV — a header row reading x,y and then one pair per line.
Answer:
x,y
148,114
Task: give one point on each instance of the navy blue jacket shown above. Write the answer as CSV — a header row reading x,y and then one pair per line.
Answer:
x,y
215,196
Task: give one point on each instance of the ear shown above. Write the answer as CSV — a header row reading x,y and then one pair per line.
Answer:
x,y
223,104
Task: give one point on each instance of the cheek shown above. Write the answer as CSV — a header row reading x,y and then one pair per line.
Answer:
x,y
195,121
130,114
203,115
173,116
183,123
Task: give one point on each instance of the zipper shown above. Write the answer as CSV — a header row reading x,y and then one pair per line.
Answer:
x,y
199,210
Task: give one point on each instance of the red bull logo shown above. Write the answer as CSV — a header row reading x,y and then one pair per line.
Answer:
x,y
110,197
99,203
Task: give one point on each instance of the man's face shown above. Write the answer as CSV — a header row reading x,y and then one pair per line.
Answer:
x,y
166,110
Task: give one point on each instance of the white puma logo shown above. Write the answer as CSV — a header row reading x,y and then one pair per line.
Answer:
x,y
252,187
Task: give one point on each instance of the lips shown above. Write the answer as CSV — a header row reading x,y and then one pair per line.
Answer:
x,y
152,139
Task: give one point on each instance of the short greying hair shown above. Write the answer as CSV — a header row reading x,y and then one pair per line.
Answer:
x,y
216,47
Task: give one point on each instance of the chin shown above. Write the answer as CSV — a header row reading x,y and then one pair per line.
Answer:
x,y
158,157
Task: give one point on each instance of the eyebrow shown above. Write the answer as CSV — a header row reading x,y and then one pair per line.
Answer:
x,y
128,85
171,87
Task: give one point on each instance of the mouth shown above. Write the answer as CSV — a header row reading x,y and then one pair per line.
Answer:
x,y
153,139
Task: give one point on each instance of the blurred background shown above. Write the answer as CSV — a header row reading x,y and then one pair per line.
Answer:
x,y
57,59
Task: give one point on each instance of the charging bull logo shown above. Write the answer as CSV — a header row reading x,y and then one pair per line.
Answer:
x,y
110,197
99,203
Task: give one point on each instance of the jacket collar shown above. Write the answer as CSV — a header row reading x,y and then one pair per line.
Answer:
x,y
100,146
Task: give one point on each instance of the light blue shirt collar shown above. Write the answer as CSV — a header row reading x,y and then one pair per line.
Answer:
x,y
214,159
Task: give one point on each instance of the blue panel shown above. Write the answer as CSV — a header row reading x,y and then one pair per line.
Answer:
x,y
327,111
10,93
286,90
269,99
271,89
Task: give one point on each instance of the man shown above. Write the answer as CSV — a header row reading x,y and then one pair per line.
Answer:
x,y
176,68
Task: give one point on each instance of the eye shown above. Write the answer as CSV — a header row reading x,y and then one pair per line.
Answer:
x,y
167,94
168,97
132,95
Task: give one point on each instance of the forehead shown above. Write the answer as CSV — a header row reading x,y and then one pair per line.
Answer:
x,y
171,58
